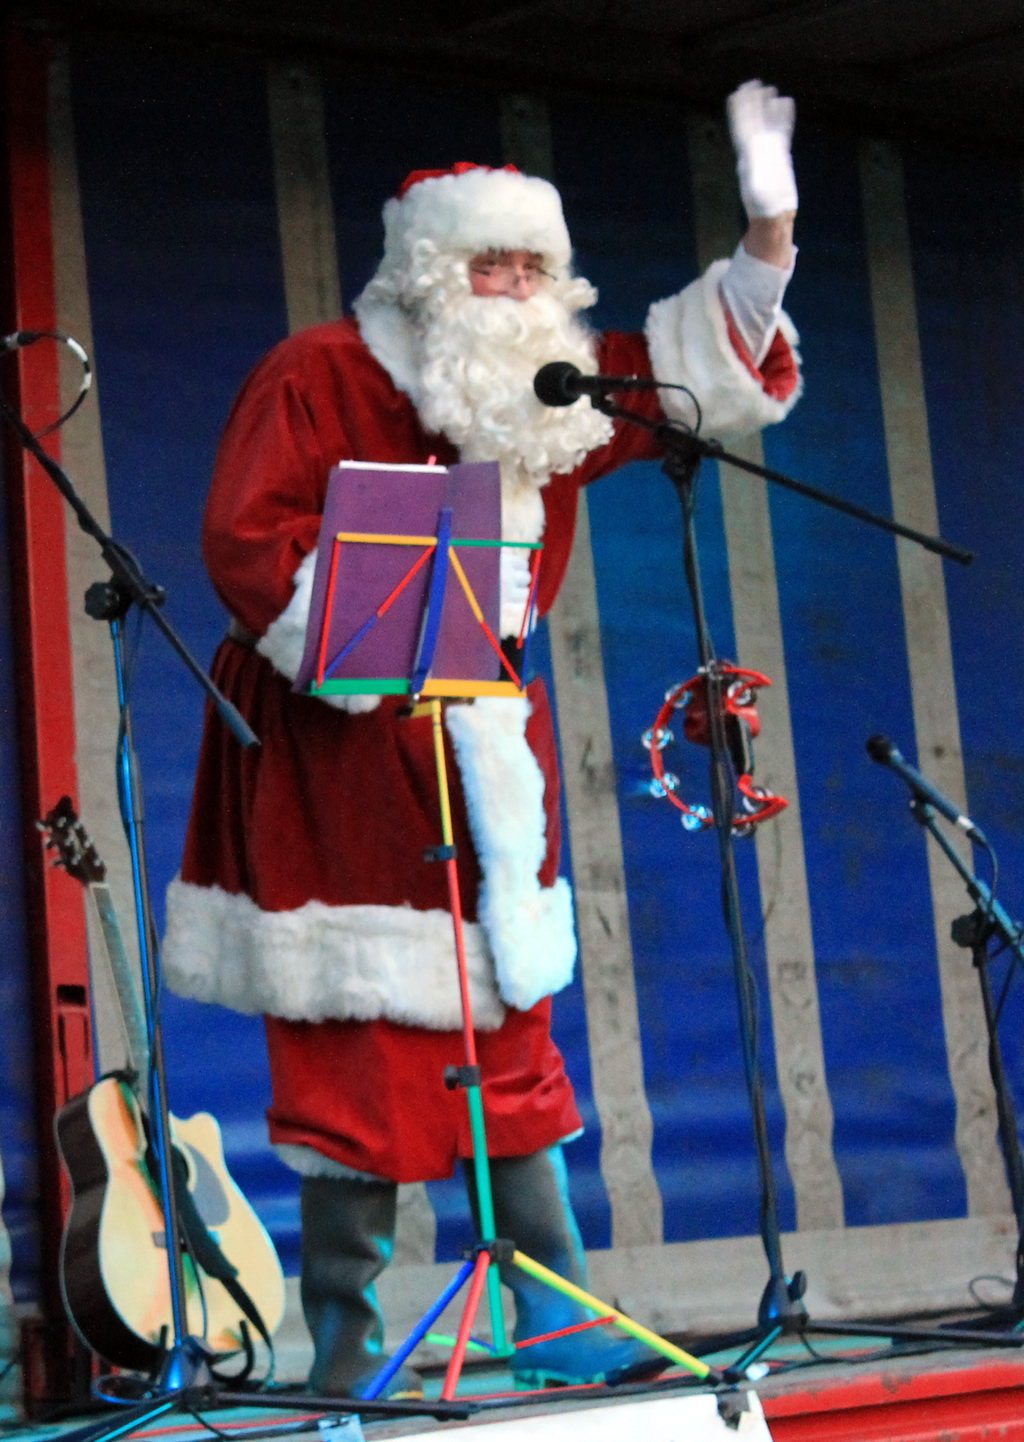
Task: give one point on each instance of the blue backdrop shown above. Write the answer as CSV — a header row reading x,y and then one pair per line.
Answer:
x,y
187,292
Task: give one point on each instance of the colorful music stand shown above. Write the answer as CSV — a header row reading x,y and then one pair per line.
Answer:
x,y
384,620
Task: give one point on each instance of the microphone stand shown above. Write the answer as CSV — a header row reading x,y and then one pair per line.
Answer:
x,y
111,601
973,932
780,1310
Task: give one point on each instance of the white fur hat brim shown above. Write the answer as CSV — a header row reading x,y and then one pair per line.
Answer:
x,y
474,211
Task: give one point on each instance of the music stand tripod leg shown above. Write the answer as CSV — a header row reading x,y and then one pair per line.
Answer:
x,y
418,1332
483,1271
626,1324
490,1248
468,1076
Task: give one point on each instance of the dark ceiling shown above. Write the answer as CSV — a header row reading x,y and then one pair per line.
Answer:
x,y
949,66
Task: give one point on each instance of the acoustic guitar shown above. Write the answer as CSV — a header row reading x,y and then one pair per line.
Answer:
x,y
114,1264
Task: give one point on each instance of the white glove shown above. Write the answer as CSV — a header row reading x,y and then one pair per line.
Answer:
x,y
761,125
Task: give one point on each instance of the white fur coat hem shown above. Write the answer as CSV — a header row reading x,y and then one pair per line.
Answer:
x,y
343,962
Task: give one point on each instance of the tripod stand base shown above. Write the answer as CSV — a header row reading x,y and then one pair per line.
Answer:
x,y
780,1304
186,1364
780,1311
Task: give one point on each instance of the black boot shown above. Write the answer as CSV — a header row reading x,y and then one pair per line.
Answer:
x,y
531,1206
348,1232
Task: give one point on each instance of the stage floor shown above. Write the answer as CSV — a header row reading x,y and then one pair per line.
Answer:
x,y
852,1391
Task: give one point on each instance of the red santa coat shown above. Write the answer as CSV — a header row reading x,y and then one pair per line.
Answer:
x,y
303,892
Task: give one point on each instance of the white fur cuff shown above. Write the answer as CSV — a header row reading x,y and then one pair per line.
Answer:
x,y
308,1162
688,340
285,638
530,927
359,962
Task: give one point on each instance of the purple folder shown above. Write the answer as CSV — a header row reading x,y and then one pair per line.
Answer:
x,y
399,500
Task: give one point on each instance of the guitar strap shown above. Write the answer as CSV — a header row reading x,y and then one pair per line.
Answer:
x,y
196,1238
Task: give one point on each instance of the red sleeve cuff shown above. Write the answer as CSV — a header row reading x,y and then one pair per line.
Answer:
x,y
778,374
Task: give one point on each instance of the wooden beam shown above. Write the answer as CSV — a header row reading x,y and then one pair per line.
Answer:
x,y
595,832
55,905
930,655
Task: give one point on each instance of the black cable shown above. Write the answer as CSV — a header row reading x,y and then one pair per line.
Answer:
x,y
1011,972
681,426
255,1432
816,1355
990,907
20,339
989,913
121,1390
1006,1282
217,1431
864,1359
684,477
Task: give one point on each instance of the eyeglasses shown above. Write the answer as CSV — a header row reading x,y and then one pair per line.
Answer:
x,y
501,267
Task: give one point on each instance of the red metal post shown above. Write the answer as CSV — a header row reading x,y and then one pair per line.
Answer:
x,y
55,905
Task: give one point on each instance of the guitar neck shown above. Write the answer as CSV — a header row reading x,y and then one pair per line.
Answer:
x,y
125,982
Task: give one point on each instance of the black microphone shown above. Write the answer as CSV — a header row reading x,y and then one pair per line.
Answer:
x,y
882,750
559,383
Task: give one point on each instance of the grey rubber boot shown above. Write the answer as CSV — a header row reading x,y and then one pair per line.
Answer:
x,y
532,1207
348,1232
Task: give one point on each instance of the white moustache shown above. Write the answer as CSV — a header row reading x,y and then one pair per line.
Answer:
x,y
480,354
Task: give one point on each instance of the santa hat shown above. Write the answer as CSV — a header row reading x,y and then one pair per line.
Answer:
x,y
474,209
463,211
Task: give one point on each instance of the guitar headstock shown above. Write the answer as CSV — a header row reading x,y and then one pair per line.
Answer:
x,y
66,835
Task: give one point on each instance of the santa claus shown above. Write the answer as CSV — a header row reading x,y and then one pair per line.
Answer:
x,y
303,892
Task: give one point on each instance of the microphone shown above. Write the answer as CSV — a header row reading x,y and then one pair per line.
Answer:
x,y
20,338
882,750
559,383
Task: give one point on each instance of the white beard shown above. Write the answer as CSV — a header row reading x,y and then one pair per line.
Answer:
x,y
479,357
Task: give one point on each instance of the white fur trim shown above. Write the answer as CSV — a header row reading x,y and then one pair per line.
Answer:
x,y
522,506
476,211
515,589
285,639
688,340
390,337
308,1162
320,961
530,928
522,519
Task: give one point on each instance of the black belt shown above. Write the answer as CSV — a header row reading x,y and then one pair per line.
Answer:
x,y
241,634
513,654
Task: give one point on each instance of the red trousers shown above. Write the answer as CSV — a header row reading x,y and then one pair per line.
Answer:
x,y
372,1096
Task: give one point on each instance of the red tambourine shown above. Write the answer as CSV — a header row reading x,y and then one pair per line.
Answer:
x,y
742,724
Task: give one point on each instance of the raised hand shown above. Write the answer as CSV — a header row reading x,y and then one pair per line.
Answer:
x,y
761,125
